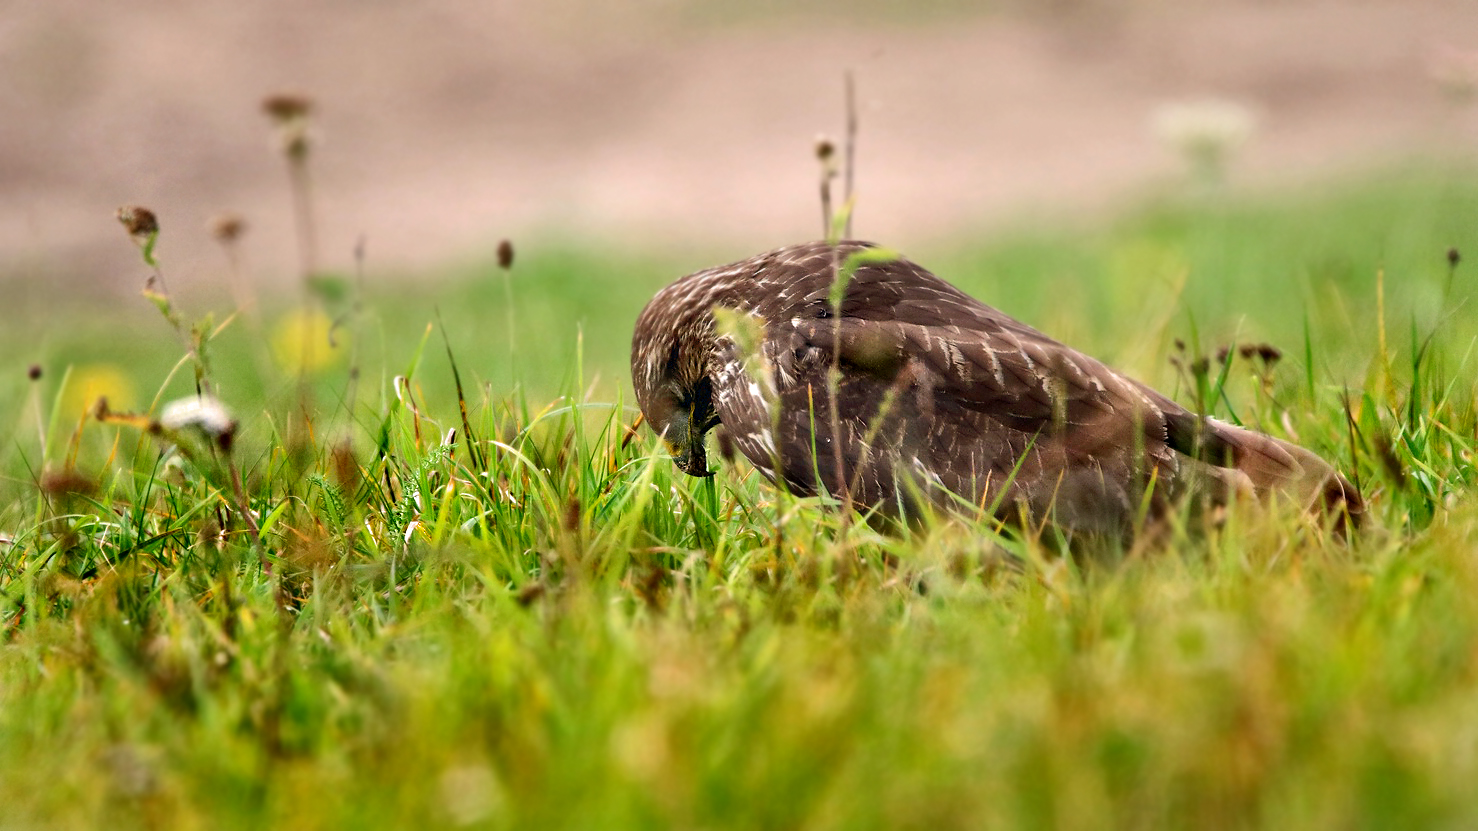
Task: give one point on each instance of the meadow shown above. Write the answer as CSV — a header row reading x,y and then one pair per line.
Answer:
x,y
325,607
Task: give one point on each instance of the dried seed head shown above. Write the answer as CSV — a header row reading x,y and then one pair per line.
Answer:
x,y
1247,350
287,106
290,111
34,373
572,514
1179,345
1200,366
1222,353
825,149
66,483
103,411
1453,257
529,593
1269,353
138,221
344,466
505,255
227,227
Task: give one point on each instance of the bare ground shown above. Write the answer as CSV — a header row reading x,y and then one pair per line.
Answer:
x,y
446,125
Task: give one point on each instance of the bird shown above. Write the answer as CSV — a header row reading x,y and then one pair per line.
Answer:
x,y
846,369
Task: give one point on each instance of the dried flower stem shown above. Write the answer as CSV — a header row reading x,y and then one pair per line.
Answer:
x,y
1454,257
505,264
35,391
243,509
143,227
227,230
356,314
825,153
291,112
851,150
841,277
302,195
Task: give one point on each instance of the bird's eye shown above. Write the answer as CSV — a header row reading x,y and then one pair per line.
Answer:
x,y
823,314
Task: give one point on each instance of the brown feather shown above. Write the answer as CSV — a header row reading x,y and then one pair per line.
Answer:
x,y
938,398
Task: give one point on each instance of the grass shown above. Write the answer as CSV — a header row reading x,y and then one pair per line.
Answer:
x,y
559,630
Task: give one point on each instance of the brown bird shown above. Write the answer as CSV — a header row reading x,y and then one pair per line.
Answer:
x,y
841,367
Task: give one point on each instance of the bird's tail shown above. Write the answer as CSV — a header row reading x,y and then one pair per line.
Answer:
x,y
1271,466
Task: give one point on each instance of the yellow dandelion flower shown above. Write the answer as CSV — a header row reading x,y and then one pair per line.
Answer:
x,y
89,382
306,341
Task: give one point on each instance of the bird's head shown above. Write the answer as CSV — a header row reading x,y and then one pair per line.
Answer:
x,y
670,373
682,416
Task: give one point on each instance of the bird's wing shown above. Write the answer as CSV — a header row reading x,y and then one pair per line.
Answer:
x,y
894,311
971,371
744,396
1025,383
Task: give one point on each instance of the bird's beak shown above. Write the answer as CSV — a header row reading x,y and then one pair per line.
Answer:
x,y
692,457
689,451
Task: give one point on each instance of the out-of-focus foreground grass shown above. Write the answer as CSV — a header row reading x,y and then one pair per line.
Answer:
x,y
328,616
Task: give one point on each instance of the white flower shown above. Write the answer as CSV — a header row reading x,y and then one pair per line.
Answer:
x,y
198,412
1204,132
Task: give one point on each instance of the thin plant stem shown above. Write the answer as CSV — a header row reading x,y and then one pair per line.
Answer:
x,y
302,195
833,380
850,151
508,313
825,203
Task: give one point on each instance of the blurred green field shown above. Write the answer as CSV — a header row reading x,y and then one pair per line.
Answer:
x,y
1244,268
557,630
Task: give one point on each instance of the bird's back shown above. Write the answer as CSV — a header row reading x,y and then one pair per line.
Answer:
x,y
878,380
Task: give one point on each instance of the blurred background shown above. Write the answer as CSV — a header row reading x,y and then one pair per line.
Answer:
x,y
1078,163
444,125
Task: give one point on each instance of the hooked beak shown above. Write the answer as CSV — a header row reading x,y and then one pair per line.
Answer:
x,y
687,446
692,458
